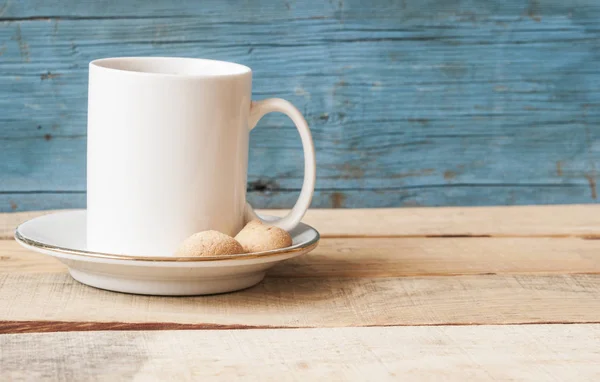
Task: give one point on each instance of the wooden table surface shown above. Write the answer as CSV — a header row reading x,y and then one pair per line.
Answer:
x,y
505,293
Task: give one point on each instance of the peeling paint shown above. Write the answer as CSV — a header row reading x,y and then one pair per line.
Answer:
x,y
338,85
592,181
4,7
376,85
23,47
421,121
337,199
533,10
410,203
48,76
455,69
426,171
350,171
300,91
449,175
262,185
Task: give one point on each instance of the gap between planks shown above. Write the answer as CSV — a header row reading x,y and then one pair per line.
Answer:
x,y
27,327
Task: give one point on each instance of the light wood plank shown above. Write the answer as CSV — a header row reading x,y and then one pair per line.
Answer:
x,y
561,221
318,302
503,221
508,353
16,259
389,257
9,221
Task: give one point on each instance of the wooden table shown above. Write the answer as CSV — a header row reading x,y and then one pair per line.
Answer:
x,y
506,293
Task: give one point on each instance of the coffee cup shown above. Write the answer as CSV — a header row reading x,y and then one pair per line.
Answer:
x,y
167,152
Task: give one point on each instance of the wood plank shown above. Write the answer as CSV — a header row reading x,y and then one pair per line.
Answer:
x,y
415,106
514,221
507,353
426,195
501,221
318,302
409,10
394,257
22,327
402,257
16,259
10,221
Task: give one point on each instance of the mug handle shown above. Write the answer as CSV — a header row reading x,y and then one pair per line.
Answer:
x,y
257,110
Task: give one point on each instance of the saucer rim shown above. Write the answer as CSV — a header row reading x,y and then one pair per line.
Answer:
x,y
300,247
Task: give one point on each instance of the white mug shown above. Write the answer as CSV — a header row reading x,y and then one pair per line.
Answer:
x,y
167,152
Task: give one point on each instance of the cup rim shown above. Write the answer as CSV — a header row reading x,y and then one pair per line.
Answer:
x,y
235,68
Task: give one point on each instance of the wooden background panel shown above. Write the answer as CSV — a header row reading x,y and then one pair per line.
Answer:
x,y
404,10
410,103
508,353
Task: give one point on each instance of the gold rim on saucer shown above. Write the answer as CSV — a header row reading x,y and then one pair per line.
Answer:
x,y
308,246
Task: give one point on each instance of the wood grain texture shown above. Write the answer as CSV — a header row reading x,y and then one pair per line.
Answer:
x,y
436,195
516,221
410,104
10,221
395,257
402,257
21,327
509,353
318,302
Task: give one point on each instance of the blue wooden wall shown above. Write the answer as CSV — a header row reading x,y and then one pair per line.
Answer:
x,y
426,102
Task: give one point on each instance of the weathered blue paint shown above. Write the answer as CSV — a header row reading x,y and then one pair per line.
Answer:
x,y
410,102
441,195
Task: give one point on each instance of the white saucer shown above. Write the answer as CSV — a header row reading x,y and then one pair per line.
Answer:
x,y
63,235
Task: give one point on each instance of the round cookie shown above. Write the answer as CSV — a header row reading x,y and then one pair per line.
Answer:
x,y
209,243
257,237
